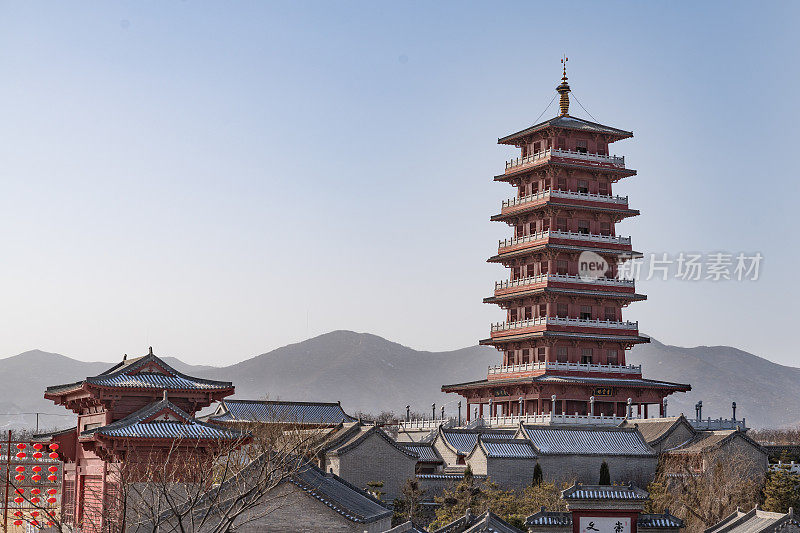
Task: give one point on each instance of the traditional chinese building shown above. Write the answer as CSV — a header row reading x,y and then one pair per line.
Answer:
x,y
564,339
136,410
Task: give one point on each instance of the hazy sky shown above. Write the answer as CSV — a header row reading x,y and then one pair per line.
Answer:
x,y
218,179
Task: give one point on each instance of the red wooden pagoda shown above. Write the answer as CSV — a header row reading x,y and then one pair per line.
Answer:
x,y
140,406
564,340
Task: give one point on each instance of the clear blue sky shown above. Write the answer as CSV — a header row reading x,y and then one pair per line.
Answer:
x,y
218,179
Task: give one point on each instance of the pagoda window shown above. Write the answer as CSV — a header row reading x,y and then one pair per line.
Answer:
x,y
561,224
531,269
540,355
545,224
533,227
603,188
562,184
582,146
543,267
525,356
528,313
605,228
562,143
537,147
512,315
524,150
586,312
563,354
516,273
93,425
612,358
562,267
519,230
542,310
563,311
509,357
583,186
611,314
534,187
586,356
583,227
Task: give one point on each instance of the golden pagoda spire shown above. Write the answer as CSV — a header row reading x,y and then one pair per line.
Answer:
x,y
563,89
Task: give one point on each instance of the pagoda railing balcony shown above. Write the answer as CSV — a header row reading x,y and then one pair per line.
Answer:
x,y
555,365
564,278
554,420
563,321
513,202
558,234
544,155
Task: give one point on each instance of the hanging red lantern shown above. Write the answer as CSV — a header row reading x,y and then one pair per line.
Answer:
x,y
49,524
18,513
19,477
20,469
38,446
37,468
53,455
53,446
36,477
20,491
34,523
51,478
18,500
20,446
35,500
53,469
21,455
51,500
50,491
37,455
17,522
35,514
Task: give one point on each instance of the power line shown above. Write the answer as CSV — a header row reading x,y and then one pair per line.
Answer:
x,y
545,109
580,104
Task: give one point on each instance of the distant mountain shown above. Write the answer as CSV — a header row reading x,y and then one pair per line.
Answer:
x,y
368,373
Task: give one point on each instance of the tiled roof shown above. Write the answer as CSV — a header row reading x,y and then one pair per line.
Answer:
x,y
655,430
549,440
407,527
604,492
426,452
549,378
568,122
754,521
128,374
488,522
507,448
136,425
564,519
351,434
464,440
280,411
346,499
705,440
448,476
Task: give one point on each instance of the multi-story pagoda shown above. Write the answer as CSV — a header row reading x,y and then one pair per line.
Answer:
x,y
134,411
564,339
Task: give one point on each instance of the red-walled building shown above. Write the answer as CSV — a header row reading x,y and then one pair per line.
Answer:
x,y
140,406
564,339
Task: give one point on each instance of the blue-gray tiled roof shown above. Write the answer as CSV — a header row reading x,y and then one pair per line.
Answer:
x,y
604,492
136,426
280,411
463,441
562,519
508,448
426,452
587,441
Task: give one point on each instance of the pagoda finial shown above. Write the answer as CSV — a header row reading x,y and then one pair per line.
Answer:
x,y
563,89
124,357
151,351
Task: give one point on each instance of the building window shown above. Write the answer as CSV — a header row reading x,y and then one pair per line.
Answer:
x,y
512,315
533,227
612,358
528,313
586,356
586,312
525,355
582,146
583,227
562,184
516,273
603,188
542,309
545,224
543,267
562,267
563,354
563,310
537,147
611,313
605,228
562,143
561,224
531,269
540,355
583,186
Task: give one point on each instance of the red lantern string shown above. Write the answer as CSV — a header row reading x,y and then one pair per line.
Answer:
x,y
51,478
53,455
37,468
53,446
20,446
50,491
53,469
51,500
21,455
36,477
19,477
20,469
35,500
37,455
38,446
18,500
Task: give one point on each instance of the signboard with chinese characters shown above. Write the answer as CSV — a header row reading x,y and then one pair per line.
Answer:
x,y
603,391
604,524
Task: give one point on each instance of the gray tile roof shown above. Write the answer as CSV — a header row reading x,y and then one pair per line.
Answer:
x,y
488,522
407,527
128,375
604,492
281,411
564,519
507,448
754,521
464,440
568,122
654,430
553,440
426,452
136,425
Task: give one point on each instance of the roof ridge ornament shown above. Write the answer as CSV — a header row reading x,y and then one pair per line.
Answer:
x,y
150,351
564,89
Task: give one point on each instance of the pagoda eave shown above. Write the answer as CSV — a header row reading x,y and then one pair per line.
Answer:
x,y
616,173
510,296
614,134
547,379
629,339
522,252
622,213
